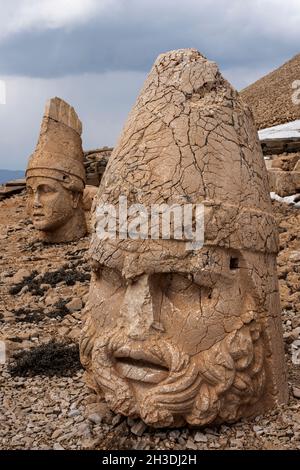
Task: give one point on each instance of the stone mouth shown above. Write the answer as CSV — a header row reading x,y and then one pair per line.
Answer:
x,y
140,367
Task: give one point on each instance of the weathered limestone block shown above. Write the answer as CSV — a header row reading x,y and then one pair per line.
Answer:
x,y
180,335
285,162
284,175
55,176
284,183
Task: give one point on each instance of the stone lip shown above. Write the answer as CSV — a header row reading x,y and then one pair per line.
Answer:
x,y
140,370
133,351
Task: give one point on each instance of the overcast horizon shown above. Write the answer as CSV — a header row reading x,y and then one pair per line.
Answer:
x,y
96,54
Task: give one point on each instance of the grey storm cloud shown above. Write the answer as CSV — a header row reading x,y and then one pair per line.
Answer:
x,y
129,35
95,54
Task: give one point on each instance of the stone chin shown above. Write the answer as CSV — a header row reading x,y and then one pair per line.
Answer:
x,y
40,223
157,382
43,223
50,224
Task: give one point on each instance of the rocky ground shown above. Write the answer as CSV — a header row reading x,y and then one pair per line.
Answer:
x,y
44,402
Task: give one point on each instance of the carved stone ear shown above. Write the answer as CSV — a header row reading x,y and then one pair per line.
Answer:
x,y
75,198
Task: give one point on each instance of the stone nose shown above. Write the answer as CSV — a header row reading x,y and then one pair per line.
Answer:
x,y
36,200
138,309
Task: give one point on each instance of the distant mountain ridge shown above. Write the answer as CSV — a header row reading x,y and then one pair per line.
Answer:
x,y
7,175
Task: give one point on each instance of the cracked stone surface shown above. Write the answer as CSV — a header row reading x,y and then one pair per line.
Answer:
x,y
55,176
176,336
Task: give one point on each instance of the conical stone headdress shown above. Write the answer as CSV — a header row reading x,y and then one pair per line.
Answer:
x,y
189,138
59,153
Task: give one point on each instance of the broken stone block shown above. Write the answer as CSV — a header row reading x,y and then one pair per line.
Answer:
x,y
284,183
74,305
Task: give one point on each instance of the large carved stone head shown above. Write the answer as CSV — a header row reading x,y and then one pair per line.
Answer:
x,y
55,175
177,335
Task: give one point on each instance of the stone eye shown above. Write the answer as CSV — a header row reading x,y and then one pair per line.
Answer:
x,y
47,189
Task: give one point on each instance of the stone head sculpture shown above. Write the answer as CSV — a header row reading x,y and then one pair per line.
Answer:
x,y
176,335
55,175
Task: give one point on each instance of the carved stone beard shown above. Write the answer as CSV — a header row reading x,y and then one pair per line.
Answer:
x,y
215,385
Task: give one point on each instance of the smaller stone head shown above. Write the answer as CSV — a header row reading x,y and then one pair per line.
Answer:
x,y
55,176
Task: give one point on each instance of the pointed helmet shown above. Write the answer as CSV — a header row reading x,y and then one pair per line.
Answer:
x,y
58,154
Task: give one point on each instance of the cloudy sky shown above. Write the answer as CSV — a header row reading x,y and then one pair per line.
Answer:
x,y
95,54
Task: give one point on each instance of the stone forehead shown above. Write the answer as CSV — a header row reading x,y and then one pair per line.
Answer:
x,y
37,180
66,179
134,257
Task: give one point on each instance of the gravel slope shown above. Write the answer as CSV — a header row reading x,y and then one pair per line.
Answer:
x,y
271,97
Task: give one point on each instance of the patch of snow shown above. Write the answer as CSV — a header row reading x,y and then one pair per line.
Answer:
x,y
290,200
283,131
